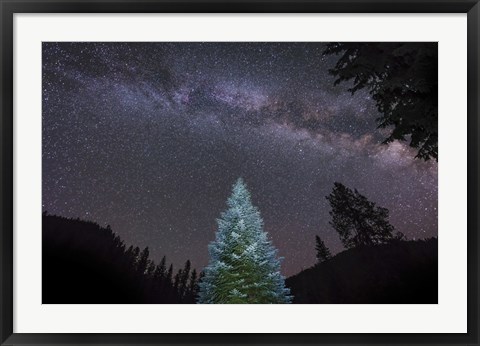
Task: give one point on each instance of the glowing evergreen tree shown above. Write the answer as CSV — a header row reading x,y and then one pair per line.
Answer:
x,y
244,267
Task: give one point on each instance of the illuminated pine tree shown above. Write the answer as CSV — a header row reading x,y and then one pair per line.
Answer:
x,y
244,267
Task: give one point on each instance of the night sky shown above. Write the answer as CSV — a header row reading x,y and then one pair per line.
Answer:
x,y
149,138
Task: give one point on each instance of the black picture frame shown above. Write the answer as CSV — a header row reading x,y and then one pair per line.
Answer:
x,y
9,7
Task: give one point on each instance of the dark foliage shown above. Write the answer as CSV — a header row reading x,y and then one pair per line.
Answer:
x,y
357,220
323,253
403,81
401,272
83,263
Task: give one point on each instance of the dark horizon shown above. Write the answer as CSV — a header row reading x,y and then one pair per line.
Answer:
x,y
149,138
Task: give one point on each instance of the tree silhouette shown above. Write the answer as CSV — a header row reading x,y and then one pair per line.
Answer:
x,y
323,253
143,261
402,79
190,289
160,270
170,273
176,280
184,275
243,266
135,254
193,285
357,220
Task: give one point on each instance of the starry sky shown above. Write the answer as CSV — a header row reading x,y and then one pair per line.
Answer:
x,y
149,138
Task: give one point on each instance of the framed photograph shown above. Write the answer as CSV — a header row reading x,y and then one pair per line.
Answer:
x,y
239,173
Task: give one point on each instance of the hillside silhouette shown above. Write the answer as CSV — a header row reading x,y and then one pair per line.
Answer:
x,y
401,272
83,263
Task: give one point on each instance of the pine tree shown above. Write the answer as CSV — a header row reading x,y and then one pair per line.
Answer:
x,y
143,261
192,286
135,254
357,220
323,253
244,267
183,279
161,269
150,268
191,289
170,273
176,280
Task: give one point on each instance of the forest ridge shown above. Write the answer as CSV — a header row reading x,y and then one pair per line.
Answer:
x,y
77,254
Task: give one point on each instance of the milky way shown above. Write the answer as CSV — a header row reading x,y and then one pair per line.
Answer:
x,y
149,138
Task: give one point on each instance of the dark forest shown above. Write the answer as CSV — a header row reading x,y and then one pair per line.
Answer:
x,y
85,263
